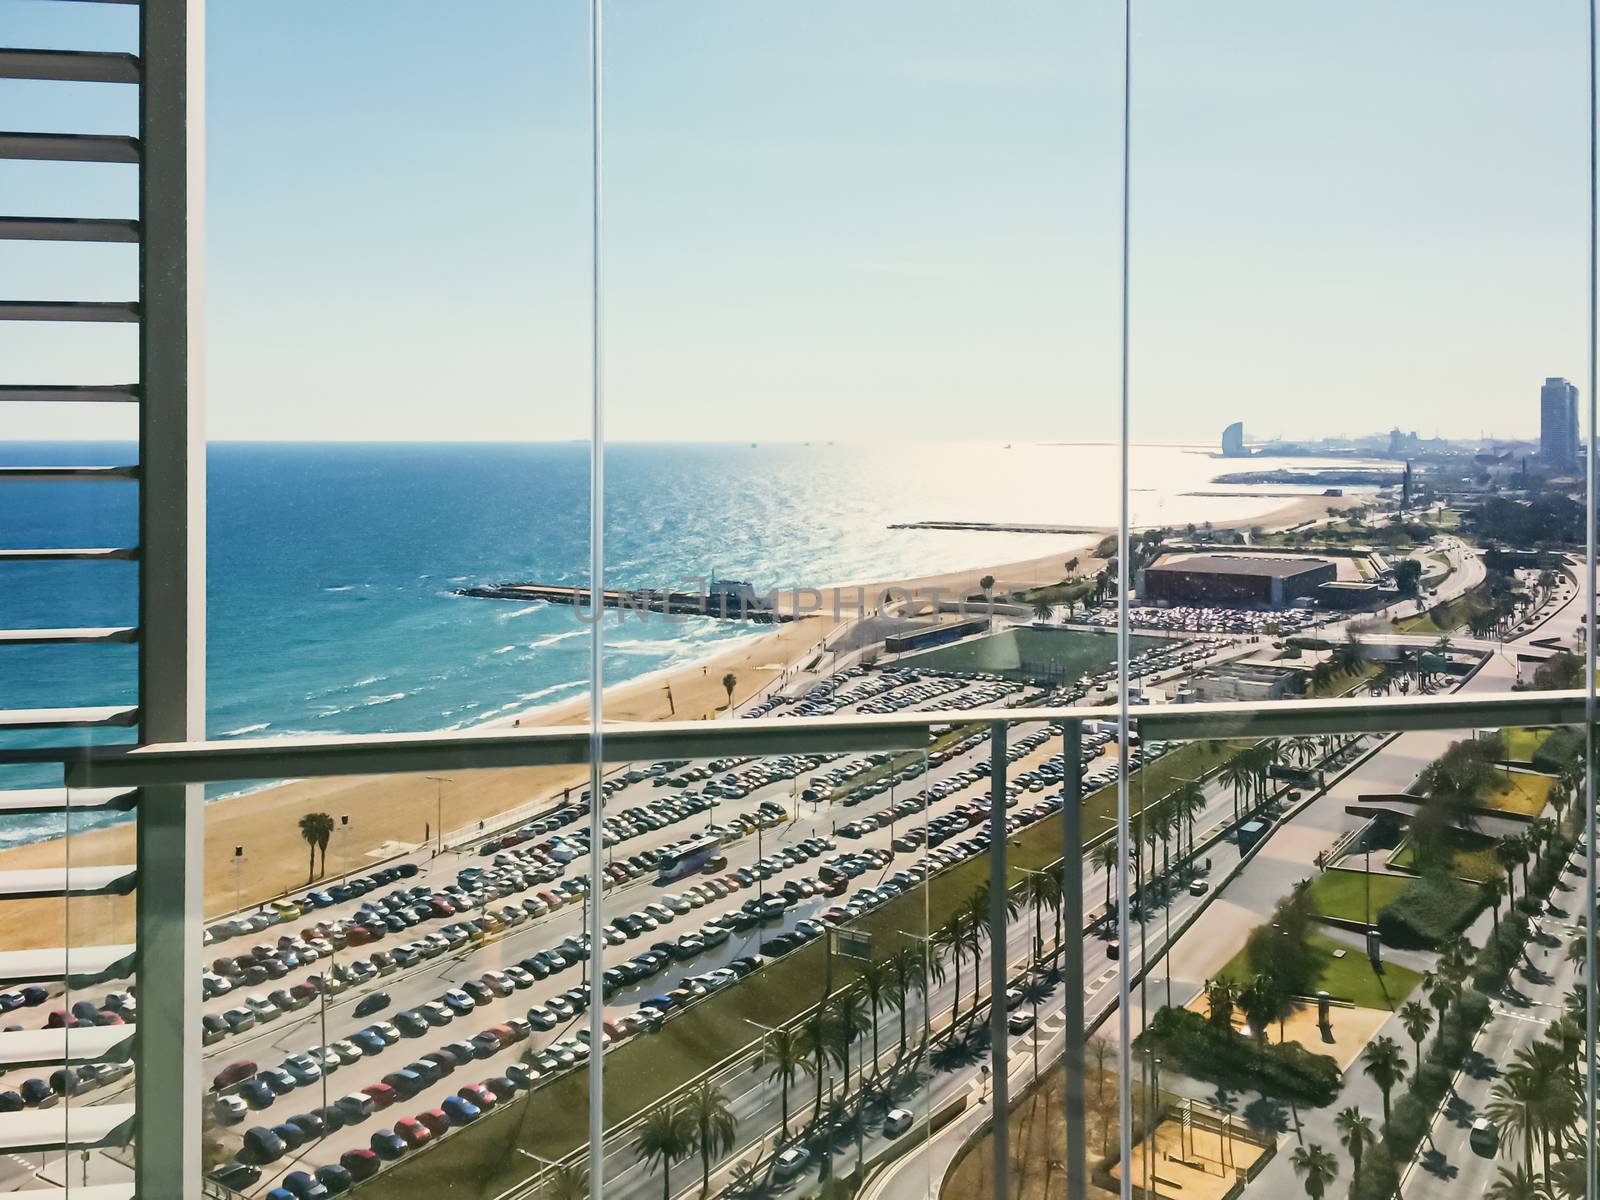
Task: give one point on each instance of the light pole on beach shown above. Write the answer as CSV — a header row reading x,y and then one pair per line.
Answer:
x,y
438,833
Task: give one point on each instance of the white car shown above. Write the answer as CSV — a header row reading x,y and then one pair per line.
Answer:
x,y
790,1163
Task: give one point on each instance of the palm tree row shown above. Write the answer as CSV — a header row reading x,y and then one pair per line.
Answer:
x,y
699,1120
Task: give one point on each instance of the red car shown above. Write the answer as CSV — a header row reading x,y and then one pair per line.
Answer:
x,y
413,1132
362,1164
233,1073
479,1095
435,1120
382,1094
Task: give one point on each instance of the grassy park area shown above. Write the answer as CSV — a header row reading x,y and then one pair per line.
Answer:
x,y
1443,618
1471,855
1342,893
1522,744
1517,792
1345,976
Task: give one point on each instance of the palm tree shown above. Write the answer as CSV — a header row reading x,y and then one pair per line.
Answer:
x,y
849,1021
1578,948
951,938
876,981
1517,1183
1385,1066
1318,1166
1548,1064
1105,859
667,1136
316,829
1514,1109
1040,890
814,1036
1220,998
1443,990
978,931
787,1057
1417,1021
729,682
1043,610
569,1181
1238,774
1072,565
1349,658
713,1125
1355,1131
906,967
1505,852
987,584
1495,891
1190,802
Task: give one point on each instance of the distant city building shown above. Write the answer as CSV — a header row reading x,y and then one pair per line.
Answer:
x,y
1233,441
1232,580
1352,594
1558,425
1246,683
1401,445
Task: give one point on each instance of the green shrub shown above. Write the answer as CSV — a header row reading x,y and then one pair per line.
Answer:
x,y
1408,1124
1205,1051
1379,1179
1433,1083
1453,1038
1563,746
1473,1007
1429,911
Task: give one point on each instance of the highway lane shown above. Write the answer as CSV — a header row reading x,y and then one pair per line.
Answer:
x,y
1022,933
1450,1167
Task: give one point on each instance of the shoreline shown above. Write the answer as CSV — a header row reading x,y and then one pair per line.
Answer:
x,y
389,814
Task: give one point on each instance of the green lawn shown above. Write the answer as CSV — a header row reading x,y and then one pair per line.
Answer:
x,y
1349,977
1441,618
1521,744
1340,892
1471,855
1520,792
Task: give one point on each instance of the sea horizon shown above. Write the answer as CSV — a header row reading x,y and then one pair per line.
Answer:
x,y
333,566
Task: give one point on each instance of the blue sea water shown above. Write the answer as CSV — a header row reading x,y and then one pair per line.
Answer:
x,y
332,568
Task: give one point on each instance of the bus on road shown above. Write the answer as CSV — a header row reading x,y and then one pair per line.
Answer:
x,y
687,858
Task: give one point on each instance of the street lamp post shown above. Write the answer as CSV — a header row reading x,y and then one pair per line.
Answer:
x,y
544,1165
438,795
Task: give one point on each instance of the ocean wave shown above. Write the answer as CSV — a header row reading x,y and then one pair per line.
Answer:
x,y
552,690
503,650
369,681
244,729
522,612
541,643
639,647
371,701
343,587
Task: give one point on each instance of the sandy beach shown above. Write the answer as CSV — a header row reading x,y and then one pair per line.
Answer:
x,y
389,814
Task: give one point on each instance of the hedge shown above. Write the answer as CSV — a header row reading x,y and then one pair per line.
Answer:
x,y
1561,747
1429,911
1202,1050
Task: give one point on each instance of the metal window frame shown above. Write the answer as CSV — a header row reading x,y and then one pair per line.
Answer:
x,y
192,762
169,773
170,836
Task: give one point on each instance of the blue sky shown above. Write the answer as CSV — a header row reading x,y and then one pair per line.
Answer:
x,y
846,219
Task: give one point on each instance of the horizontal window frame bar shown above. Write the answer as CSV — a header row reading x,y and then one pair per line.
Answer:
x,y
489,749
69,147
69,66
68,229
